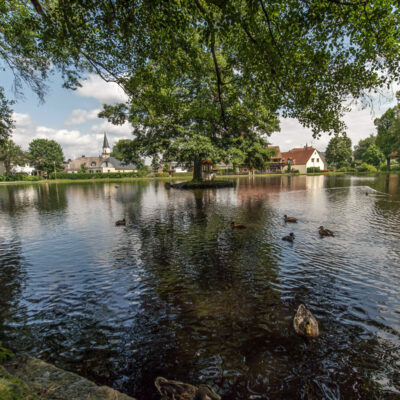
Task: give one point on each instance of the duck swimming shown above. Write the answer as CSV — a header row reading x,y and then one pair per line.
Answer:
x,y
304,323
325,232
289,238
120,222
175,390
237,226
289,219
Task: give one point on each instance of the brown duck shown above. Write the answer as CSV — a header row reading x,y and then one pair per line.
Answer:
x,y
289,238
304,323
289,219
120,222
175,390
237,226
325,232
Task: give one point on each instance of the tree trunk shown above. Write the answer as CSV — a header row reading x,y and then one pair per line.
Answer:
x,y
388,164
197,176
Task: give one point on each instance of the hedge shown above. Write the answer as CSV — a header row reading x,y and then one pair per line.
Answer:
x,y
392,167
19,177
312,170
97,175
364,167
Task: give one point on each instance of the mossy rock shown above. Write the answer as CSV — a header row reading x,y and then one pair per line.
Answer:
x,y
203,184
13,388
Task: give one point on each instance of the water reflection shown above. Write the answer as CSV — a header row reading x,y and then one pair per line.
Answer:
x,y
178,293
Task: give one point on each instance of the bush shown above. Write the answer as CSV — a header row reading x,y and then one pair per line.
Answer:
x,y
364,167
312,170
19,177
346,169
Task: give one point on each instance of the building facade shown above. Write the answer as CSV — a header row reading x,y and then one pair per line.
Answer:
x,y
101,164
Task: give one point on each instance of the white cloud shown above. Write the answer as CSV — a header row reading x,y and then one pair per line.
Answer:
x,y
74,142
79,116
113,130
104,92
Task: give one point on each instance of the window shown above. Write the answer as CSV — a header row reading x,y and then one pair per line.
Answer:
x,y
312,160
93,164
317,159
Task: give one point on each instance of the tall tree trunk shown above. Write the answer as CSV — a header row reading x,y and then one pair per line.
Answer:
x,y
197,176
388,163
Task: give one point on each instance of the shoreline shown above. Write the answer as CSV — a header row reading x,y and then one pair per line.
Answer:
x,y
184,178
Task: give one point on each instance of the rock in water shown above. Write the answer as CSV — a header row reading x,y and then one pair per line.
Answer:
x,y
304,323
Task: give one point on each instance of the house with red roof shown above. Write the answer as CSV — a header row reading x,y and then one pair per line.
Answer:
x,y
303,158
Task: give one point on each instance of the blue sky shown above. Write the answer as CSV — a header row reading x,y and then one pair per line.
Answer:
x,y
70,118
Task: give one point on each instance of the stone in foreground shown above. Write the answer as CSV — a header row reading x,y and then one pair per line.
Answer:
x,y
47,382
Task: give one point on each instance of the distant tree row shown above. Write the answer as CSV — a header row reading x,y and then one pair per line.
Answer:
x,y
44,154
373,150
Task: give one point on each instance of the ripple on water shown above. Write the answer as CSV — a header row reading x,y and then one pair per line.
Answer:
x,y
178,293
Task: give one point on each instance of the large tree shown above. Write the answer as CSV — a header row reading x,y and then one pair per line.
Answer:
x,y
306,56
46,155
362,147
373,156
125,151
338,151
11,154
388,138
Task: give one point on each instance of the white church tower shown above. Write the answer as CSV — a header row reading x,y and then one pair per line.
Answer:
x,y
106,148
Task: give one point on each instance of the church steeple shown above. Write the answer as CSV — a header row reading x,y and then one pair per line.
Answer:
x,y
106,147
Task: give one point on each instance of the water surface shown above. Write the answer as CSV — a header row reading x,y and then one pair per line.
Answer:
x,y
178,293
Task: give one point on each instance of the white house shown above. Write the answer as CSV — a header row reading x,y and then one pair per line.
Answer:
x,y
303,158
22,169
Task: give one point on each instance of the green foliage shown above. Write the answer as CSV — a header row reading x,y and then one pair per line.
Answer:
x,y
313,170
125,150
19,177
388,127
83,168
10,154
364,167
166,167
346,169
363,146
6,121
47,155
373,156
98,175
338,151
5,354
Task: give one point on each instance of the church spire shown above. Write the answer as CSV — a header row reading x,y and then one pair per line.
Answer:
x,y
106,147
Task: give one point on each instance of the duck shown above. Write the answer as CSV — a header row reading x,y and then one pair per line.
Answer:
x,y
175,390
289,238
116,186
237,226
304,323
325,232
121,222
289,219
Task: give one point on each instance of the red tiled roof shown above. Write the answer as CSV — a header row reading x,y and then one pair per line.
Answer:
x,y
298,155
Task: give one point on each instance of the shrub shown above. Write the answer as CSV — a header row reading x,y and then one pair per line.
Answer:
x,y
395,168
364,167
346,169
19,177
312,170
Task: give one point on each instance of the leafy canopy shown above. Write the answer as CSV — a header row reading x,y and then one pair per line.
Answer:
x,y
388,127
11,154
46,155
338,151
305,57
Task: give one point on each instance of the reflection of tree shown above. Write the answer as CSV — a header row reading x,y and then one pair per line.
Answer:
x,y
12,278
51,198
209,284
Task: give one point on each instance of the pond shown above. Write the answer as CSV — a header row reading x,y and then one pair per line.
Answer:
x,y
178,293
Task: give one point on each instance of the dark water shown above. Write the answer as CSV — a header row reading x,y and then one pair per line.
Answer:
x,y
177,293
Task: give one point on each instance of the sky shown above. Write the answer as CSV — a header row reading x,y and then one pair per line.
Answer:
x,y
70,118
